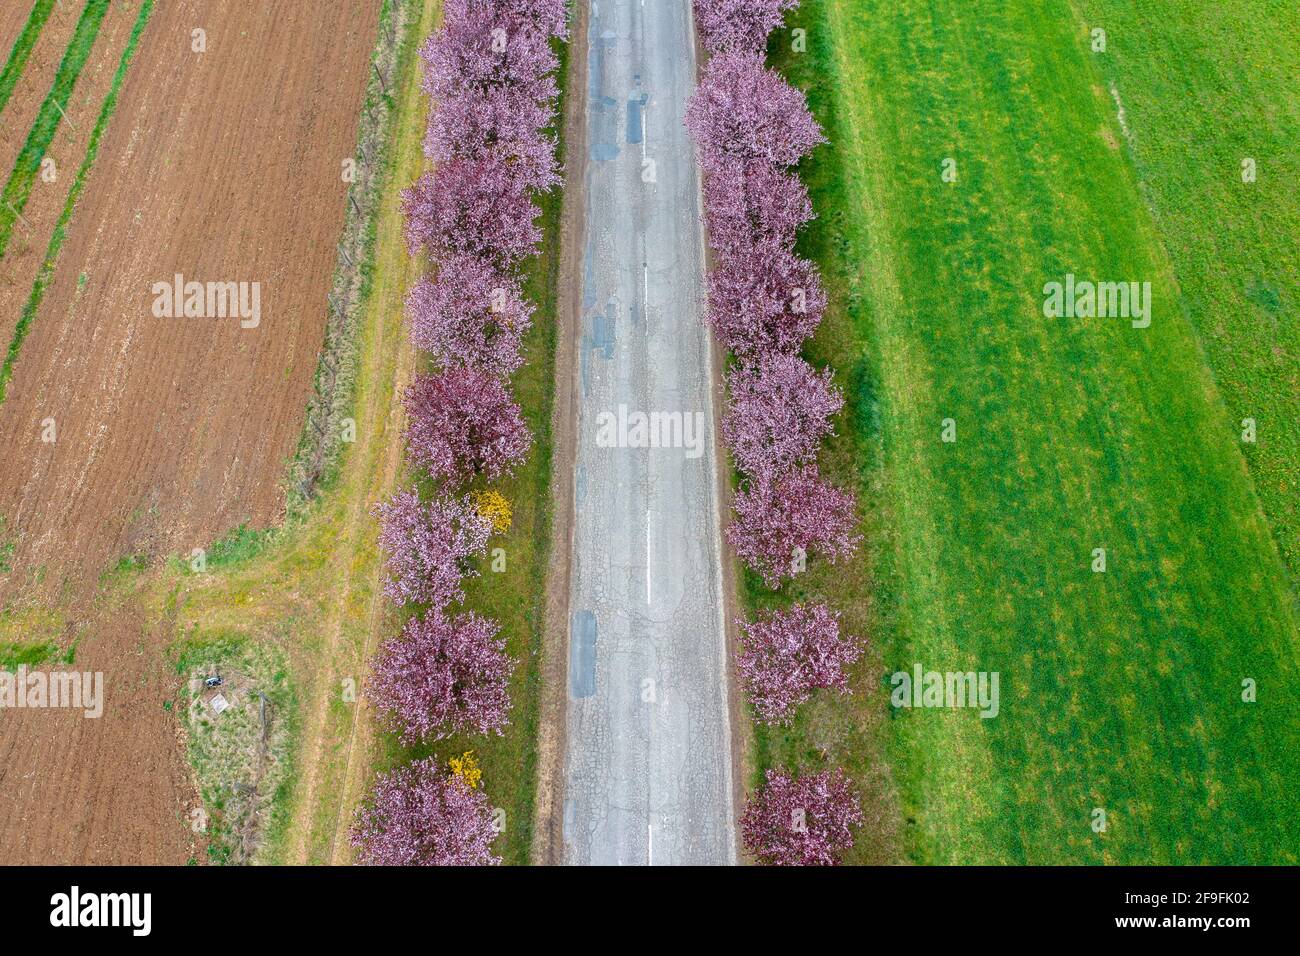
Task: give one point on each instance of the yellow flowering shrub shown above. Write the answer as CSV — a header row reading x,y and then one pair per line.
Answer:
x,y
494,506
466,767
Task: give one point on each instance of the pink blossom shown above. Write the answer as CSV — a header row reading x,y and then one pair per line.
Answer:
x,y
420,815
443,676
742,110
483,46
501,123
551,16
801,821
739,24
767,300
470,316
785,655
461,423
778,411
427,547
753,204
477,207
780,519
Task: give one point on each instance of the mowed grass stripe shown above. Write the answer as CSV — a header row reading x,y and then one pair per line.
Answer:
x,y
46,274
1119,691
22,50
28,165
1205,86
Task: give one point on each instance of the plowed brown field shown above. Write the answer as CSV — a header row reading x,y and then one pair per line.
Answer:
x,y
113,789
221,166
22,260
38,76
13,17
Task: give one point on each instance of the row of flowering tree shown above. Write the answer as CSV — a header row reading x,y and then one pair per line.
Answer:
x,y
751,128
489,71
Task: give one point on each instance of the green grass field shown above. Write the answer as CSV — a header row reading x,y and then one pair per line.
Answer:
x,y
1119,690
1207,85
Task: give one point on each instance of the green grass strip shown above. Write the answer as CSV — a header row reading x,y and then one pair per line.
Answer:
x,y
22,50
46,275
28,164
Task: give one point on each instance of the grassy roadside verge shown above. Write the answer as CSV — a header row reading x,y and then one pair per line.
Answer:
x,y
19,186
46,274
831,731
22,50
1121,691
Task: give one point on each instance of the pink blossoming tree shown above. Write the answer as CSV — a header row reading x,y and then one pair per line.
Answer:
x,y
427,547
786,655
470,316
767,301
484,46
801,821
422,816
727,25
742,110
462,422
476,207
779,520
753,204
550,16
778,411
503,123
443,675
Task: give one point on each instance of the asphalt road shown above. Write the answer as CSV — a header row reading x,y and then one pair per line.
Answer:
x,y
648,763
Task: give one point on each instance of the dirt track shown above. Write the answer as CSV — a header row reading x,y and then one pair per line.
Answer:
x,y
222,166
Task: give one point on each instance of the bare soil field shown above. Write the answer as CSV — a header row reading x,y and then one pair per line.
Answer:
x,y
13,17
38,75
222,166
110,790
22,260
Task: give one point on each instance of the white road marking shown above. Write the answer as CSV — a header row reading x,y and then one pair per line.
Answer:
x,y
649,553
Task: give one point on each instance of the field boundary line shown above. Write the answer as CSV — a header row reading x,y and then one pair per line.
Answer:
x,y
316,459
546,845
412,14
